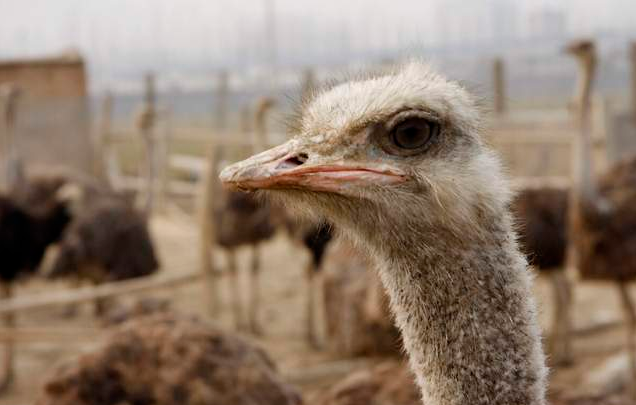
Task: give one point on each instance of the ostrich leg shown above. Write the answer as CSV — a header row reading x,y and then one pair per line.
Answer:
x,y
315,301
237,308
560,339
255,291
630,314
7,366
566,289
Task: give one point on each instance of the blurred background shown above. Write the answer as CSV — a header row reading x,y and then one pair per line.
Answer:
x,y
186,45
137,104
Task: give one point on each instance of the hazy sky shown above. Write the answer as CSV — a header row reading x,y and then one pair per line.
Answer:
x,y
116,33
34,26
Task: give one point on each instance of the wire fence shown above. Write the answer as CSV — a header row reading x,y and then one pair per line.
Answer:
x,y
533,134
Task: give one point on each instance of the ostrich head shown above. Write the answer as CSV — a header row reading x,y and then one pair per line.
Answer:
x,y
582,49
383,151
397,162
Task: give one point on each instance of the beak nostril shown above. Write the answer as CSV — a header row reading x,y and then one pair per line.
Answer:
x,y
293,161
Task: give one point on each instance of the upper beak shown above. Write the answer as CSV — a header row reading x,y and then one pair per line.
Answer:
x,y
287,166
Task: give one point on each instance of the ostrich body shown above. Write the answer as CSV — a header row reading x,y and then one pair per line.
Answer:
x,y
542,216
24,236
398,164
606,240
602,217
107,240
168,359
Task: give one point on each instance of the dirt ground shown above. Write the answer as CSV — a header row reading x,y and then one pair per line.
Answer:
x,y
600,359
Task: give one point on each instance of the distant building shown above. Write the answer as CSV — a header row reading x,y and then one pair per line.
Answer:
x,y
52,121
46,78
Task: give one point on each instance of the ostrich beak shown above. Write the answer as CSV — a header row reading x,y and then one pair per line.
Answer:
x,y
288,167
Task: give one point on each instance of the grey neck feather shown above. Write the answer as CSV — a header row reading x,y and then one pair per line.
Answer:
x,y
466,311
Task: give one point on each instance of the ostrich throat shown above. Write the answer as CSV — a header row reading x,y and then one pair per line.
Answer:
x,y
464,305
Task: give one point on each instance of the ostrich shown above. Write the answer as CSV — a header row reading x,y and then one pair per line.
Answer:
x,y
24,236
541,214
315,236
168,359
240,219
106,240
602,218
397,163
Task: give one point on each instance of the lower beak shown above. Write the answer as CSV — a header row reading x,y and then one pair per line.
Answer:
x,y
287,167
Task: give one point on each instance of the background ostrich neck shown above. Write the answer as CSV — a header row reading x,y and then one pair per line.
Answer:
x,y
466,312
260,143
583,163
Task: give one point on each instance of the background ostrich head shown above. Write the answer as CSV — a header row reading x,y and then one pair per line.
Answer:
x,y
383,152
583,49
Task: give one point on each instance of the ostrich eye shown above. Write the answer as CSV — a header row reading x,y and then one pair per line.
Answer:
x,y
413,133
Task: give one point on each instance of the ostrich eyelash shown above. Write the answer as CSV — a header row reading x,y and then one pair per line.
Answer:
x,y
404,115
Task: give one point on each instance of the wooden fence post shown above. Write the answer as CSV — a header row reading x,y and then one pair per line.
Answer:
x,y
13,169
101,166
499,86
146,121
633,64
207,195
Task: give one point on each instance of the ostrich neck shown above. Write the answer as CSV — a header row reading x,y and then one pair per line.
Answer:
x,y
260,143
465,309
584,184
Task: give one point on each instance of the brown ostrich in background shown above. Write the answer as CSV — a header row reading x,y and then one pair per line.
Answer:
x,y
541,214
314,236
25,234
243,220
602,215
168,359
106,239
32,219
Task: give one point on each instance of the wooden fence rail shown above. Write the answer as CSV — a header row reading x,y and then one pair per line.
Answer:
x,y
57,298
